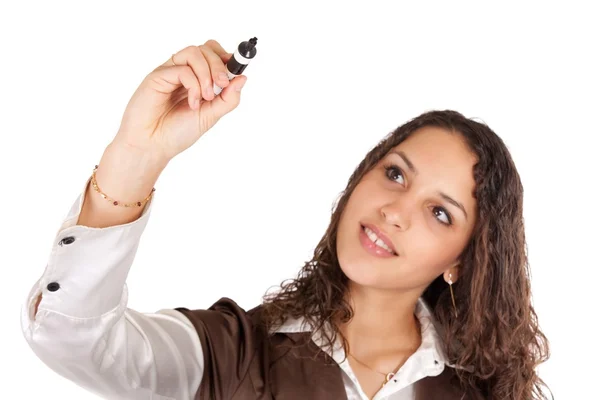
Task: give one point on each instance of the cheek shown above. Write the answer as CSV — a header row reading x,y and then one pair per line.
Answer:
x,y
353,211
430,252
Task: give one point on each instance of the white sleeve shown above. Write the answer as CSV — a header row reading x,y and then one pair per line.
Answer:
x,y
84,331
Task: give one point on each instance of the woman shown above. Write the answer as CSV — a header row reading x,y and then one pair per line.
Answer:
x,y
418,290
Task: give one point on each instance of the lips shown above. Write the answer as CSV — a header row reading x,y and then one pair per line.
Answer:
x,y
381,236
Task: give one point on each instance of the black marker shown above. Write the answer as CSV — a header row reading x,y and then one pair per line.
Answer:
x,y
244,53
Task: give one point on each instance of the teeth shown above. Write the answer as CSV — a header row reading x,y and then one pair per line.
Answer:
x,y
377,241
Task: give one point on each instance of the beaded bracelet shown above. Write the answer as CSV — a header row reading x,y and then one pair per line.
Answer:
x,y
115,202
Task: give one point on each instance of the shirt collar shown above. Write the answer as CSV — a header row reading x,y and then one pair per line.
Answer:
x,y
430,350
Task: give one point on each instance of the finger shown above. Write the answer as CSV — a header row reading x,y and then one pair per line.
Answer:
x,y
193,57
189,80
168,80
169,62
226,57
212,44
229,98
217,67
217,48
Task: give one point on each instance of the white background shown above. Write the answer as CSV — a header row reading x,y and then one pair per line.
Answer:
x,y
243,209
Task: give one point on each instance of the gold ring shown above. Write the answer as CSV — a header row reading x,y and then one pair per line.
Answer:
x,y
172,61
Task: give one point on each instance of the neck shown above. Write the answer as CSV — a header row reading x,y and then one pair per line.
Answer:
x,y
383,321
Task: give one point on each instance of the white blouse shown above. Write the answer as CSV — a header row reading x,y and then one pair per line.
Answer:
x,y
85,332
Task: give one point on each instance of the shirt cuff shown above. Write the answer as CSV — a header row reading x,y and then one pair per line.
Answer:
x,y
87,267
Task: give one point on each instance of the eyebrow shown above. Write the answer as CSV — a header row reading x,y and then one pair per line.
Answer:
x,y
453,202
443,195
411,166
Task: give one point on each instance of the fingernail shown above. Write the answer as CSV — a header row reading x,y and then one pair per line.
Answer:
x,y
223,76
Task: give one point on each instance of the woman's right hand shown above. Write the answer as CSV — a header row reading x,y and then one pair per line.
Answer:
x,y
175,104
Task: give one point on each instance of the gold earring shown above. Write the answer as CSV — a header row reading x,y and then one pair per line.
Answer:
x,y
452,295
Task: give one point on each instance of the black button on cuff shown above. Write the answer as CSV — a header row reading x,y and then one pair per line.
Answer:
x,y
53,286
67,240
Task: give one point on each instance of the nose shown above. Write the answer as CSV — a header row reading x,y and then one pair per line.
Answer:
x,y
397,213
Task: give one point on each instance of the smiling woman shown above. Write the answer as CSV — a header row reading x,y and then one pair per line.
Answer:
x,y
418,290
443,194
406,211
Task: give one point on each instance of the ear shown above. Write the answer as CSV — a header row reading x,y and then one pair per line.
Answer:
x,y
452,274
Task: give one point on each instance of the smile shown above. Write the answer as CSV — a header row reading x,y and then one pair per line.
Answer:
x,y
374,245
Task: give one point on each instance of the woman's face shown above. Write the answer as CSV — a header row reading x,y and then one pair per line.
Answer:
x,y
409,196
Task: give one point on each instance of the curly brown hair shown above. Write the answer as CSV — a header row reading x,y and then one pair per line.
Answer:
x,y
496,332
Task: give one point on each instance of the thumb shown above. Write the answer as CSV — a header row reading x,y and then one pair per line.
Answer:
x,y
229,98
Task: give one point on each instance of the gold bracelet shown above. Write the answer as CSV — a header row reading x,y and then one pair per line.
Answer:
x,y
115,202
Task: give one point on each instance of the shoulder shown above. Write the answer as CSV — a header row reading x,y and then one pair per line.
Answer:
x,y
230,338
225,316
227,330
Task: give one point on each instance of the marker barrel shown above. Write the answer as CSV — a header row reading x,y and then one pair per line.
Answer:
x,y
242,56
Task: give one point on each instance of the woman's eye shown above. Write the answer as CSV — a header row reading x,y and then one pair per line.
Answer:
x,y
393,172
439,211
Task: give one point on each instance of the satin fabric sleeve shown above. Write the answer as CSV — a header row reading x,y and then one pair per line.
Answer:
x,y
84,330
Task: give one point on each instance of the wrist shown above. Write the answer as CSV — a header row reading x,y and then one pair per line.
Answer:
x,y
138,157
126,174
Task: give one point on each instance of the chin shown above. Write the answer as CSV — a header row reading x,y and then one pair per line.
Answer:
x,y
362,273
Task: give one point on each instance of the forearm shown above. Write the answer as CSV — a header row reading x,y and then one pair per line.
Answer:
x,y
123,174
126,175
